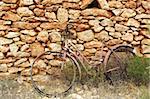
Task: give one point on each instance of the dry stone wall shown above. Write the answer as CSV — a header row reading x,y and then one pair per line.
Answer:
x,y
30,27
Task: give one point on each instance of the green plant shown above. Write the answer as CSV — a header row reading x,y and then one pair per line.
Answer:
x,y
138,70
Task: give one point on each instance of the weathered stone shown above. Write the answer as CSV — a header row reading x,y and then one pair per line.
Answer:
x,y
25,25
85,3
71,5
24,64
135,43
110,29
138,38
127,37
115,4
103,4
121,28
55,62
4,41
142,16
11,16
54,47
127,13
103,35
145,33
12,70
55,36
89,51
20,54
145,49
146,42
133,22
12,34
26,2
10,1
24,12
3,27
140,10
80,47
42,36
87,35
72,0
115,34
24,47
51,1
53,25
94,22
74,14
4,49
50,15
29,32
1,55
3,68
13,48
82,27
107,22
93,44
62,15
39,12
41,64
97,28
26,72
117,12
36,49
96,12
16,39
114,42
137,51
20,61
27,38
131,4
146,4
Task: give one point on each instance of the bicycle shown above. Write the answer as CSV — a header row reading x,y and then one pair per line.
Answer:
x,y
62,77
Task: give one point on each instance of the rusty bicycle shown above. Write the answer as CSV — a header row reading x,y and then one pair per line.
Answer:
x,y
68,64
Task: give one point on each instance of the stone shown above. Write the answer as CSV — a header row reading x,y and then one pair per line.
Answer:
x,y
26,72
27,38
55,36
139,38
36,49
142,16
89,51
94,22
106,22
3,68
97,28
103,4
50,15
39,12
80,47
71,5
121,28
3,27
146,42
24,47
21,54
85,3
127,37
93,44
20,61
72,1
140,10
135,43
10,1
113,42
53,25
117,12
26,2
74,14
87,35
24,64
24,12
75,96
110,29
96,12
6,61
115,4
12,34
41,64
1,55
13,48
54,47
25,25
82,27
115,34
44,2
103,36
145,49
128,13
4,41
29,32
146,5
62,15
4,49
137,51
131,4
12,70
42,36
11,16
133,22
55,62
145,33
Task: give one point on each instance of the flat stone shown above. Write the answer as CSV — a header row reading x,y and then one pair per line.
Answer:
x,y
145,33
24,12
71,5
146,42
93,44
20,61
80,47
121,28
103,4
133,22
29,32
103,35
21,54
146,5
106,22
24,64
41,64
87,35
13,48
85,3
137,51
11,16
3,68
96,12
9,1
139,38
36,49
142,16
4,49
44,2
145,49
4,41
55,62
26,2
72,1
127,37
25,25
26,72
110,29
82,27
115,34
54,47
42,36
62,15
131,4
97,28
89,51
115,4
117,12
74,14
27,38
12,34
127,13
50,15
114,42
1,55
12,70
55,36
39,12
24,47
94,22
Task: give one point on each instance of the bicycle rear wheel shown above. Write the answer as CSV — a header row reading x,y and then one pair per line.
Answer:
x,y
116,62
55,76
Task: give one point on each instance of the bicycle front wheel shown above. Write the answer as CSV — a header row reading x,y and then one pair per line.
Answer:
x,y
56,76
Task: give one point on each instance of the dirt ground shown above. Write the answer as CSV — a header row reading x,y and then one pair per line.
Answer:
x,y
11,89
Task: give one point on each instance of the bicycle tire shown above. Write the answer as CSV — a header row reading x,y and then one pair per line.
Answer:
x,y
63,92
116,62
